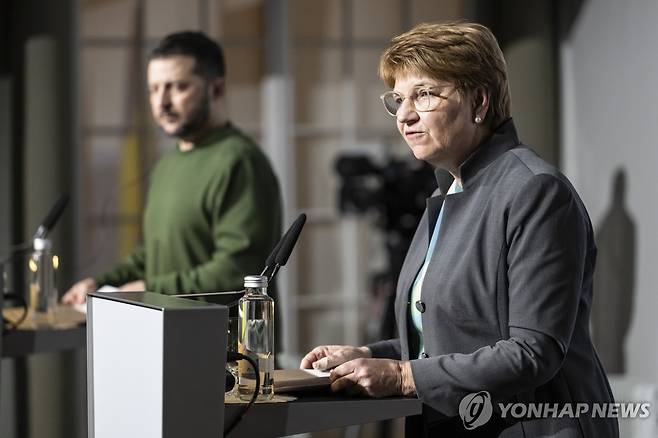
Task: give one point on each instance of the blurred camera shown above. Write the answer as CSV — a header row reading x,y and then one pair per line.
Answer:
x,y
395,190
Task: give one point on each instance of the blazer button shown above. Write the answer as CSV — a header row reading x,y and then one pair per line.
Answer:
x,y
420,306
424,355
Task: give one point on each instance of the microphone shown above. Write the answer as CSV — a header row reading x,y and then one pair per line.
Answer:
x,y
287,244
52,217
271,259
48,223
281,252
289,240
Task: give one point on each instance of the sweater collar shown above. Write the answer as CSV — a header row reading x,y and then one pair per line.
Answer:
x,y
212,136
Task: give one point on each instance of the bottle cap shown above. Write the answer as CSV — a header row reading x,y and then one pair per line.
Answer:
x,y
42,244
255,281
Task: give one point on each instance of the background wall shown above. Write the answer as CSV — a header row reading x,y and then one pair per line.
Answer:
x,y
609,74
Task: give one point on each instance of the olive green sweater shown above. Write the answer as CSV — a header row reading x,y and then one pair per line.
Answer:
x,y
212,216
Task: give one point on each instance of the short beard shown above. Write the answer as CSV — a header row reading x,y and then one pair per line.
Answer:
x,y
195,124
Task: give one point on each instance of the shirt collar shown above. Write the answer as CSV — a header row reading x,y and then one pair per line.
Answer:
x,y
455,187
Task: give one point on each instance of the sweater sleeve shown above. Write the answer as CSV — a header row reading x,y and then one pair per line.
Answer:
x,y
546,235
130,269
246,217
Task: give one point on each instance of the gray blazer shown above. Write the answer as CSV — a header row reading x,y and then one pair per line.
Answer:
x,y
506,298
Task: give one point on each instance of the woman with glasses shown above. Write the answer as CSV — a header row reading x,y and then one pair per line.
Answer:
x,y
494,296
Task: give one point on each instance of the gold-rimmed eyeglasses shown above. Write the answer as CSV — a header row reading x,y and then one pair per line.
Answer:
x,y
423,100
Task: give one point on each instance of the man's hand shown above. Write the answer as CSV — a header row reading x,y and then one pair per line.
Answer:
x,y
328,356
373,378
134,286
78,292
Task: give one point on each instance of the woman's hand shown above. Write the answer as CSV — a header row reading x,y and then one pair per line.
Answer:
x,y
328,356
373,378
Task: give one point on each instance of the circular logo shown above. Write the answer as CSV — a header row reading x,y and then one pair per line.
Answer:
x,y
475,409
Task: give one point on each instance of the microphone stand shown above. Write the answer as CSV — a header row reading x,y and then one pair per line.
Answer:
x,y
38,242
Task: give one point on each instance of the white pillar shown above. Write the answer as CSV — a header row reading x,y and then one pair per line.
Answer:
x,y
278,142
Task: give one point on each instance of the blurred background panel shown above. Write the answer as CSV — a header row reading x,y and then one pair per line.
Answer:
x,y
425,11
162,17
244,96
319,82
238,20
106,19
369,116
104,106
375,21
316,21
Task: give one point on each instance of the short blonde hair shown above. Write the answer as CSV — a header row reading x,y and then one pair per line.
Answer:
x,y
466,54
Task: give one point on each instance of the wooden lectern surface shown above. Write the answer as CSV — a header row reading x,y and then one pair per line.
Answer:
x,y
67,332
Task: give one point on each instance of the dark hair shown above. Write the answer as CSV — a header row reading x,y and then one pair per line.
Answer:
x,y
206,52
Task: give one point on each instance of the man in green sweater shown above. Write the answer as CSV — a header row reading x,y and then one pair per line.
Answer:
x,y
213,211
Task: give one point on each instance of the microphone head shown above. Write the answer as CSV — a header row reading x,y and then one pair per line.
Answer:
x,y
289,240
271,259
52,217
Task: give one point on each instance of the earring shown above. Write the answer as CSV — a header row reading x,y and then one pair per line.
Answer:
x,y
478,119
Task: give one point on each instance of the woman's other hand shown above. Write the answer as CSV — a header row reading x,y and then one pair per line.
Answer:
x,y
326,357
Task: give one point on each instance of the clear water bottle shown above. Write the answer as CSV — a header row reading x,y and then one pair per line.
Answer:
x,y
256,338
42,298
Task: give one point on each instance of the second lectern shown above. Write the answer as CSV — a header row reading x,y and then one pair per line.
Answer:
x,y
152,366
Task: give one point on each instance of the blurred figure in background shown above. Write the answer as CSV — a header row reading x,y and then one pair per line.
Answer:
x,y
213,210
